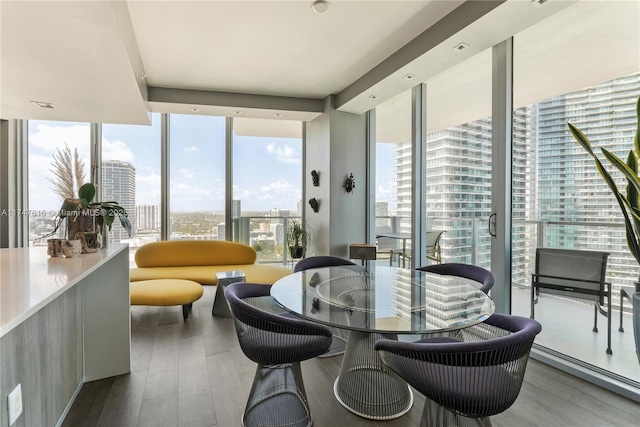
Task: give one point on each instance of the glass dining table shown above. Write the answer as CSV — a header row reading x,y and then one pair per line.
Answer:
x,y
381,302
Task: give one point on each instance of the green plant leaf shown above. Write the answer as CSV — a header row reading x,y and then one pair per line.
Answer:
x,y
630,174
126,224
632,192
632,241
86,193
636,140
628,205
581,138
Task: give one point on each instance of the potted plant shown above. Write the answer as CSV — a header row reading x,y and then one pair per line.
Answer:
x,y
85,215
106,211
297,238
630,202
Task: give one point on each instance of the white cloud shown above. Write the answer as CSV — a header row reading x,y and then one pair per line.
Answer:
x,y
46,138
382,191
278,193
280,186
191,149
187,173
284,153
147,188
116,150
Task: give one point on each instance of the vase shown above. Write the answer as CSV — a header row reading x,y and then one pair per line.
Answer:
x,y
91,241
54,247
81,221
105,235
296,252
72,248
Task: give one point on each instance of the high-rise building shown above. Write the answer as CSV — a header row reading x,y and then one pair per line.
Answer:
x,y
570,189
277,214
277,230
119,184
553,179
236,208
221,231
148,217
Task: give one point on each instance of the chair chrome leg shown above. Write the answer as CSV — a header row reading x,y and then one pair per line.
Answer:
x,y
275,388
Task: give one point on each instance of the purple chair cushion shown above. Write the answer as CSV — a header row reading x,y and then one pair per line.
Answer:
x,y
476,378
273,338
320,261
468,271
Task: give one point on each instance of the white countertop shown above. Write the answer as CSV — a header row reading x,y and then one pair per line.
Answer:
x,y
30,279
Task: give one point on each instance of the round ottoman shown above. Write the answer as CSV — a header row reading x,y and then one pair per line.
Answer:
x,y
166,292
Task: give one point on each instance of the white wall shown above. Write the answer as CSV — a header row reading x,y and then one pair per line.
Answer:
x,y
336,147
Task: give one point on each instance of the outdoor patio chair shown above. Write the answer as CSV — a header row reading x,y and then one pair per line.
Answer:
x,y
468,377
277,343
573,274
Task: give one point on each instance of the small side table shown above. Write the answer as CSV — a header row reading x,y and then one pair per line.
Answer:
x,y
220,305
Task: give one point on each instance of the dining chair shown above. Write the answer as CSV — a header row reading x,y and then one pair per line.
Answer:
x,y
469,377
433,249
340,336
478,274
320,261
277,343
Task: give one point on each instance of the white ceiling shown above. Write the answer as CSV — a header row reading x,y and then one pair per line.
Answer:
x,y
580,45
96,60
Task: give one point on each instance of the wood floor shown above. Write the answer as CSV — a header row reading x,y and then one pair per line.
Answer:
x,y
193,373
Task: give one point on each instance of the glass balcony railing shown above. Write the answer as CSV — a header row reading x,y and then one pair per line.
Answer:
x,y
467,240
266,235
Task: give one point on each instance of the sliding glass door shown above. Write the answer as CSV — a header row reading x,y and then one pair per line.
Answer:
x,y
581,66
393,178
459,160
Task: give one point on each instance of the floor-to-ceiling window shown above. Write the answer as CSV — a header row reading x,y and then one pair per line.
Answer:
x,y
197,177
267,183
59,161
580,66
131,175
393,176
458,159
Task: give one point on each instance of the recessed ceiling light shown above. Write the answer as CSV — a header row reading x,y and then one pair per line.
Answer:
x,y
195,110
372,96
238,112
460,46
278,114
42,104
320,6
409,77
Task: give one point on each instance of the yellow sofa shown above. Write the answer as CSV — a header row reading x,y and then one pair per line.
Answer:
x,y
200,260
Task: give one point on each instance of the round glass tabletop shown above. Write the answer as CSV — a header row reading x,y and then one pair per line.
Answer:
x,y
383,299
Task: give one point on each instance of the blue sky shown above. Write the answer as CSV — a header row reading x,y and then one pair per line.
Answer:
x,y
267,171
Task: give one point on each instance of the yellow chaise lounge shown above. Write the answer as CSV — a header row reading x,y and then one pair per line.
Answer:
x,y
200,261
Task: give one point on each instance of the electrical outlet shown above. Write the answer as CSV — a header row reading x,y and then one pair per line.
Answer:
x,y
15,404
